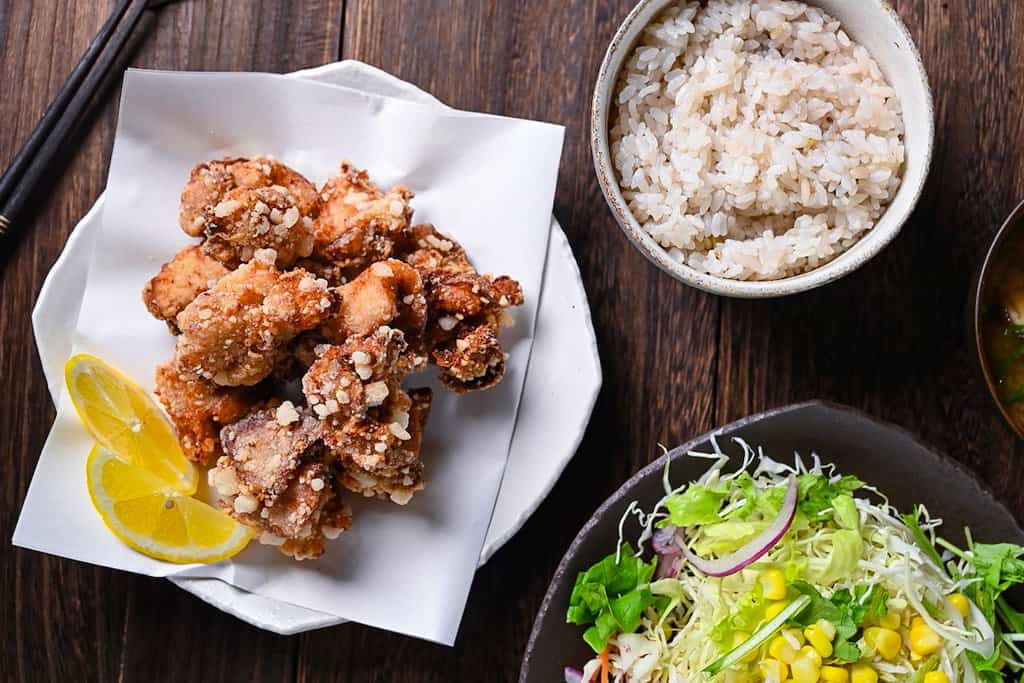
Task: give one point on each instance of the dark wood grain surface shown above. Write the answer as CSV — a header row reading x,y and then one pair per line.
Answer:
x,y
889,339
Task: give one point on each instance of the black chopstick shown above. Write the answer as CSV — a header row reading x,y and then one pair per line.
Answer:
x,y
36,162
13,174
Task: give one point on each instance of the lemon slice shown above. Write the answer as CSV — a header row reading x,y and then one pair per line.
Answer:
x,y
125,420
151,517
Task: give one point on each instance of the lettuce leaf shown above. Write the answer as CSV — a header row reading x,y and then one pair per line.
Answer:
x,y
611,596
726,537
844,511
698,504
847,546
746,617
815,496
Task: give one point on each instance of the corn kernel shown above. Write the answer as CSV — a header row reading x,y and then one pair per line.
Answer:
x,y
810,653
959,601
781,649
917,622
827,628
862,673
819,640
774,671
891,620
886,642
936,677
772,610
807,666
738,638
773,584
923,640
835,674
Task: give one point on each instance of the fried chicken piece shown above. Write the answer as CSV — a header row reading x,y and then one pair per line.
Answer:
x,y
272,478
303,519
199,409
379,454
236,332
473,361
179,282
358,223
360,374
430,252
266,448
467,313
209,184
369,424
387,293
247,219
332,386
467,310
471,296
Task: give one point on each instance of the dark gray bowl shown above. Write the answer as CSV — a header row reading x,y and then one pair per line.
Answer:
x,y
882,454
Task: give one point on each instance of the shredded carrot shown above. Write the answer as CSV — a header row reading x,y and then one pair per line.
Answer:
x,y
604,665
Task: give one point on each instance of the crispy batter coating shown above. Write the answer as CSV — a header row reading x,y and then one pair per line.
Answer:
x,y
473,361
331,385
430,252
466,311
199,409
179,282
209,183
387,293
247,219
358,223
235,332
360,374
370,425
332,272
379,454
272,478
264,449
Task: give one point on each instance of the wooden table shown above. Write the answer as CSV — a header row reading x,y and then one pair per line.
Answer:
x,y
889,339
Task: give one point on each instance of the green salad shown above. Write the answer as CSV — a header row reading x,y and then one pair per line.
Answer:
x,y
795,574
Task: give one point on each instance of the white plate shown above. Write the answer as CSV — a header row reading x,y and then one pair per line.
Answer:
x,y
562,380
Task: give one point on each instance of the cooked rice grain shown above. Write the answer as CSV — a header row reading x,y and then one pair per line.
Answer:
x,y
754,139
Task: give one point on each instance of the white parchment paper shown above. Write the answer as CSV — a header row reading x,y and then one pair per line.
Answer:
x,y
488,181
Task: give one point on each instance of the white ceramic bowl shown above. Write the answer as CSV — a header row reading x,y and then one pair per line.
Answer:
x,y
873,24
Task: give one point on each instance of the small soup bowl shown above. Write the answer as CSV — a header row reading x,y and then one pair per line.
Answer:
x,y
979,303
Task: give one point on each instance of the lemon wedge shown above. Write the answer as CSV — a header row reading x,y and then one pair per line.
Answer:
x,y
125,420
153,518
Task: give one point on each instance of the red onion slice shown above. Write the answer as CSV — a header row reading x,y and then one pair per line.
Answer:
x,y
664,541
573,675
668,567
753,550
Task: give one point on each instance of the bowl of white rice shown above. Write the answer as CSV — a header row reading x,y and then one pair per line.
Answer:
x,y
760,148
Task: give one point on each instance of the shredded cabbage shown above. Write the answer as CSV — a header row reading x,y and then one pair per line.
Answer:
x,y
837,541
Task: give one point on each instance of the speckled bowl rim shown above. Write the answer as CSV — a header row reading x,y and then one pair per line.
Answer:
x,y
1015,221
658,466
847,262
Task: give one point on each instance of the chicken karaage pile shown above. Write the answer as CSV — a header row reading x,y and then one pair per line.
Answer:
x,y
298,317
